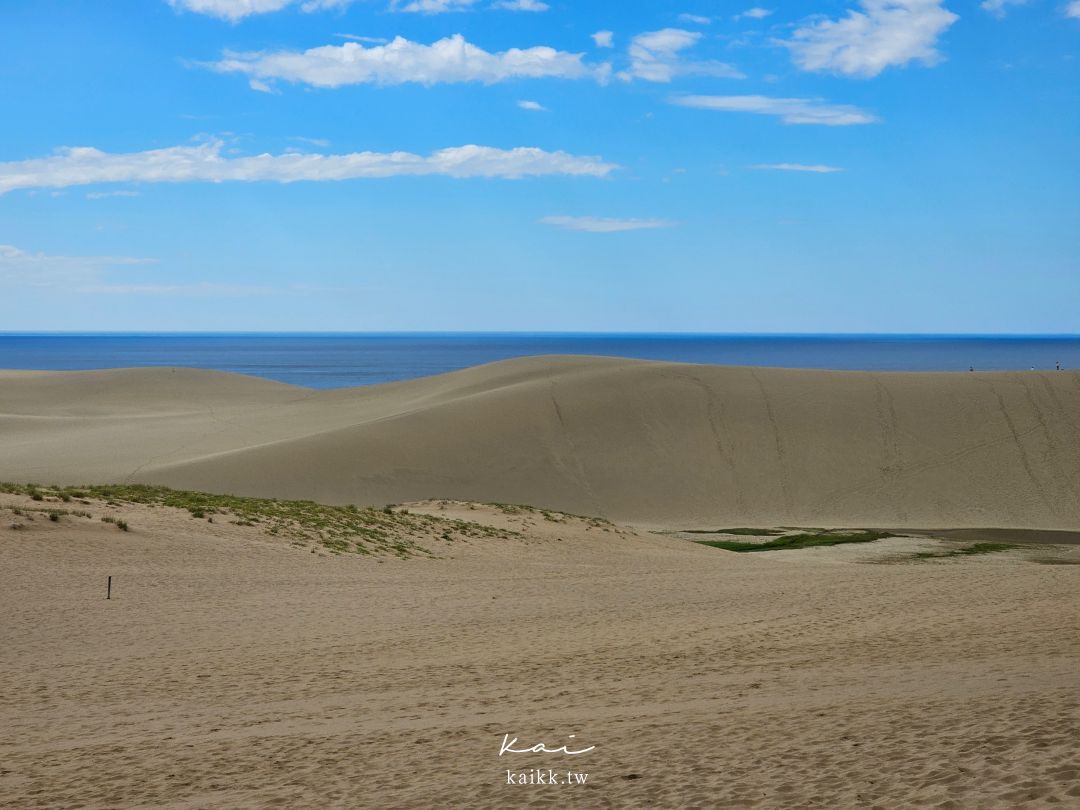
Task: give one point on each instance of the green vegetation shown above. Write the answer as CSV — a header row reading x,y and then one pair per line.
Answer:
x,y
742,531
795,541
52,514
339,529
549,515
967,551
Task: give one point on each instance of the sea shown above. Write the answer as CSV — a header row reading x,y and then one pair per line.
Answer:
x,y
346,360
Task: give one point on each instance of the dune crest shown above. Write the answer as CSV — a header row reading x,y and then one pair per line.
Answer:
x,y
639,441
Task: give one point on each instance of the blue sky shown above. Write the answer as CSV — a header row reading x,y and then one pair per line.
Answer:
x,y
701,166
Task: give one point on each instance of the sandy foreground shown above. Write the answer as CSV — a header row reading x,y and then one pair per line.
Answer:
x,y
233,669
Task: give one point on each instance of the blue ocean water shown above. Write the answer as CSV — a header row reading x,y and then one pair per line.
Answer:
x,y
342,360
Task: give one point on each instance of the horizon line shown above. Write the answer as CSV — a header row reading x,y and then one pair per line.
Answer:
x,y
523,333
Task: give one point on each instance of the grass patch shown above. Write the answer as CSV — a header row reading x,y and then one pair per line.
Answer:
x,y
339,529
743,531
52,514
968,551
550,515
796,541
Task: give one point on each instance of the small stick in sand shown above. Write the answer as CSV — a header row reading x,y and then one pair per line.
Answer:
x,y
108,589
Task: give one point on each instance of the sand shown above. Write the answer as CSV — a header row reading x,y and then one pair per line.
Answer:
x,y
650,443
233,670
236,669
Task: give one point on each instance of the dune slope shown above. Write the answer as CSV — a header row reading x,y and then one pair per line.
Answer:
x,y
660,443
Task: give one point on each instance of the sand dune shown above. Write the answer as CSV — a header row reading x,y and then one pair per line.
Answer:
x,y
233,669
646,442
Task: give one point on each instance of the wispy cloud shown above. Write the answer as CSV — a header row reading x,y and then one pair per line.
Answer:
x,y
605,224
448,60
368,40
788,110
535,106
322,143
694,19
101,195
999,8
755,13
606,39
431,6
202,289
73,166
230,9
1073,9
817,168
443,6
234,10
96,275
656,56
22,268
521,5
885,33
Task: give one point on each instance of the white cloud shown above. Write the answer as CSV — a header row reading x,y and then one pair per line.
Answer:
x,y
368,40
230,9
320,5
431,6
886,33
605,224
521,5
1073,9
202,289
655,57
606,39
448,60
90,275
18,267
101,195
818,168
788,110
755,13
443,6
999,7
234,10
73,166
322,143
536,106
695,19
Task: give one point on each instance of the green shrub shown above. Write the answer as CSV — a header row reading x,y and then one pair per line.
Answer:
x,y
794,541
